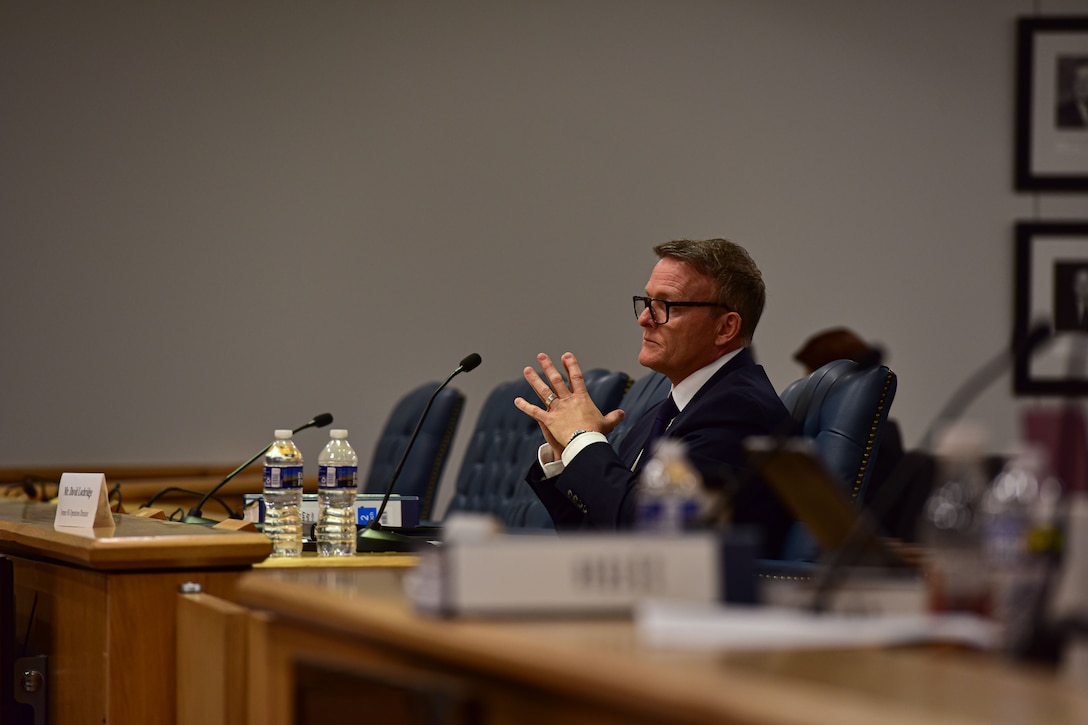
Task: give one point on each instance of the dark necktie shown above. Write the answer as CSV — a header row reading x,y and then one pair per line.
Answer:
x,y
665,414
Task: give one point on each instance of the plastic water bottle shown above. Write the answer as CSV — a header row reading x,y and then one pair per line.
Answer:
x,y
283,495
1021,545
1007,519
670,496
337,484
951,527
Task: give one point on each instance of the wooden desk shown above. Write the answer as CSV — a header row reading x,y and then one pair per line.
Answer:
x,y
104,606
173,487
217,664
391,661
310,560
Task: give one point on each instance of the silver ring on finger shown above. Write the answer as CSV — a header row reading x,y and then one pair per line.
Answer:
x,y
549,399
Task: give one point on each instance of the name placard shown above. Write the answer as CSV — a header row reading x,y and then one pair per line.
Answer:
x,y
83,502
485,573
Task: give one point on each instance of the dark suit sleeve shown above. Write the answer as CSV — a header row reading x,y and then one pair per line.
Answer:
x,y
600,487
596,490
564,512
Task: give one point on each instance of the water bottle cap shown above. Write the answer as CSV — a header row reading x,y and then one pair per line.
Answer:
x,y
338,433
283,433
669,448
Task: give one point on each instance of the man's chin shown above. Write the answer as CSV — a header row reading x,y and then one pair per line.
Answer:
x,y
647,359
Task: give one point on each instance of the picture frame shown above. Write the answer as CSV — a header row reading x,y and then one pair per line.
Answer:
x,y
1052,104
1051,317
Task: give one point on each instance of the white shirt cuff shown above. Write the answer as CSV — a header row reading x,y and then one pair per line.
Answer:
x,y
550,467
553,468
586,439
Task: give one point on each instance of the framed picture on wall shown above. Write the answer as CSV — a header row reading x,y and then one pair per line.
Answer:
x,y
1052,104
1051,294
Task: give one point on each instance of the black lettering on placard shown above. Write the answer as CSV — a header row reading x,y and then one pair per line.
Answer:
x,y
620,574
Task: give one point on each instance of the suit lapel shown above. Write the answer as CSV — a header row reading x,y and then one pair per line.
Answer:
x,y
636,439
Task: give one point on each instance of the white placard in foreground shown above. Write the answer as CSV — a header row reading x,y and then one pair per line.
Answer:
x,y
83,502
714,626
518,574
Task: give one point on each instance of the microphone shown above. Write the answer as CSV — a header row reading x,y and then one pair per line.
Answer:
x,y
375,539
1018,353
318,421
196,516
1021,349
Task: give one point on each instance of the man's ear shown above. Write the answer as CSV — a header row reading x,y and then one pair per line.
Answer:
x,y
728,329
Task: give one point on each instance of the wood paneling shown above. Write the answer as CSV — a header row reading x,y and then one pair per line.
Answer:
x,y
212,657
101,605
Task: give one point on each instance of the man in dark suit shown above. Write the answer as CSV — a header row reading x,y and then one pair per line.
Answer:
x,y
702,304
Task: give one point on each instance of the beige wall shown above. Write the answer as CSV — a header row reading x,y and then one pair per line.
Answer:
x,y
223,218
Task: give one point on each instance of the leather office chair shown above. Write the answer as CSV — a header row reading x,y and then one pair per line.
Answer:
x,y
843,410
423,468
503,446
799,394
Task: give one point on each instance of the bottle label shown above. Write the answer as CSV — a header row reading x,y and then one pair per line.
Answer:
x,y
666,515
283,478
337,476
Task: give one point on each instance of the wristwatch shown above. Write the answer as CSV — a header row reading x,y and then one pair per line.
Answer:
x,y
575,434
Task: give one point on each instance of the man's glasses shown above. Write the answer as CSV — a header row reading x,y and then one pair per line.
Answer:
x,y
659,309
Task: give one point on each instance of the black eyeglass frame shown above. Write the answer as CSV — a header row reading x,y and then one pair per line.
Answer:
x,y
646,303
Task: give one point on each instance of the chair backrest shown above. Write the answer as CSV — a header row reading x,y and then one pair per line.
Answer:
x,y
504,444
645,393
843,410
423,468
798,395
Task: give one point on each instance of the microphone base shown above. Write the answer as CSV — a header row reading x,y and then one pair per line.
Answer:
x,y
377,541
